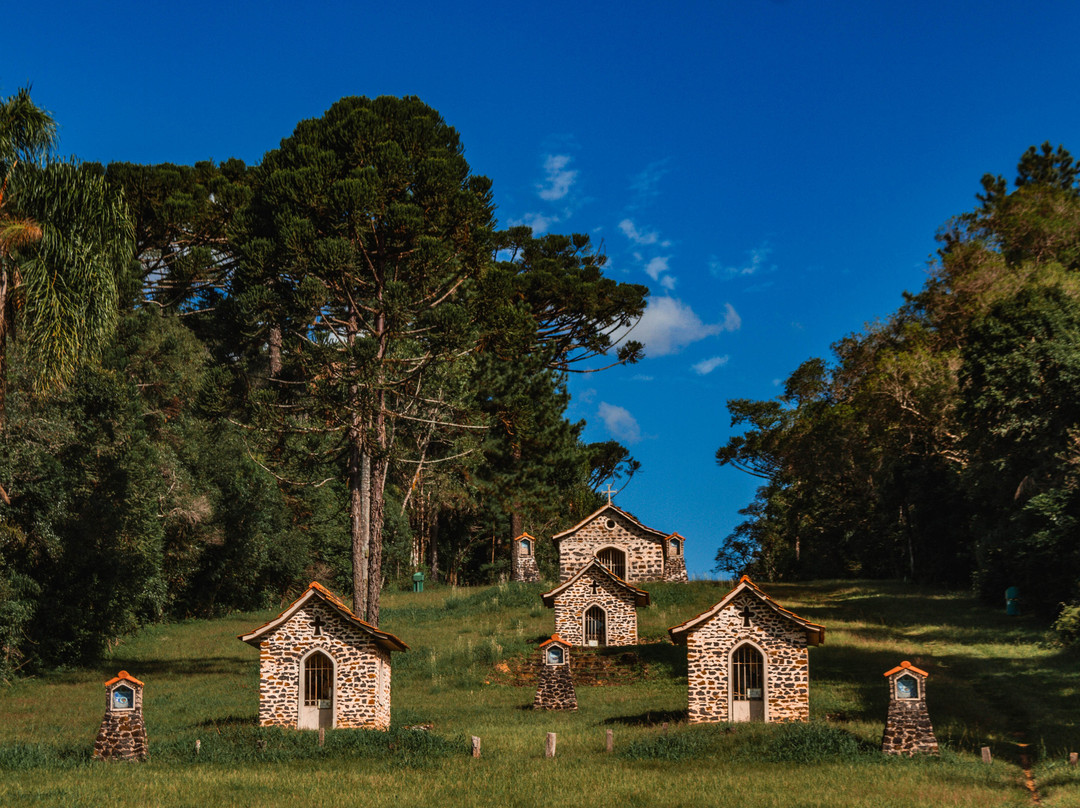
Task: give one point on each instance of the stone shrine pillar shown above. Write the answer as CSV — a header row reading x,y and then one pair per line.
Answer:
x,y
555,689
907,729
122,735
523,559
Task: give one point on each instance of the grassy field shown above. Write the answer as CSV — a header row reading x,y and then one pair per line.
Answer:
x,y
994,682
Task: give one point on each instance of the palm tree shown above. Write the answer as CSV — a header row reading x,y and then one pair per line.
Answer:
x,y
64,236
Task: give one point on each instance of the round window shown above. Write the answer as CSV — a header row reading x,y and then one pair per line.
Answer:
x,y
610,524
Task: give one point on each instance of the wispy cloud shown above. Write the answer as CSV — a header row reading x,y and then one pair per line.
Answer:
x,y
640,238
644,186
668,282
757,261
707,366
539,222
620,424
669,325
656,267
558,178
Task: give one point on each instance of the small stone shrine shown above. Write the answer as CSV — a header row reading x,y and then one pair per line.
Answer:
x,y
555,688
907,729
628,548
122,735
523,559
322,667
596,607
748,659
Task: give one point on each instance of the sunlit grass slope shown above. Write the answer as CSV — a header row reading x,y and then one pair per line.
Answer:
x,y
994,682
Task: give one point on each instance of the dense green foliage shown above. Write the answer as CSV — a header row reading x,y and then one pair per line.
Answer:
x,y
942,444
226,380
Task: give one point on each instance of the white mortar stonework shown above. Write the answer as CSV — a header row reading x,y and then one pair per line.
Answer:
x,y
523,565
618,599
781,637
361,661
644,547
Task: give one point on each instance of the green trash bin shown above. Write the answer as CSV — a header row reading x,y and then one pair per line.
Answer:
x,y
418,582
1012,601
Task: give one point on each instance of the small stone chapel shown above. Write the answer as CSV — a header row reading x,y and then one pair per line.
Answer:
x,y
747,659
321,666
628,548
596,607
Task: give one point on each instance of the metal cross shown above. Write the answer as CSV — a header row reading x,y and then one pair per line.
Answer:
x,y
318,623
745,615
609,493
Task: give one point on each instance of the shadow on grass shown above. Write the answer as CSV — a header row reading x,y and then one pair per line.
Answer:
x,y
146,668
648,719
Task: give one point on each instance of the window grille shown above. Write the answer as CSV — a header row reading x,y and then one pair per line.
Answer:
x,y
595,626
614,560
318,680
748,673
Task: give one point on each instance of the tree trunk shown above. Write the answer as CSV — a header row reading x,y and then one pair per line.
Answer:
x,y
275,351
359,516
434,543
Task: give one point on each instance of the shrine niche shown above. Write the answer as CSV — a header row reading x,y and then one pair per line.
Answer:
x,y
122,735
322,667
628,548
555,682
747,659
596,607
523,559
907,729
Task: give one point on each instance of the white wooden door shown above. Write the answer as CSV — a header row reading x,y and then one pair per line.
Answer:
x,y
316,693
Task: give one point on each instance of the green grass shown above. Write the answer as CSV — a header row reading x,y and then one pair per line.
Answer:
x,y
994,681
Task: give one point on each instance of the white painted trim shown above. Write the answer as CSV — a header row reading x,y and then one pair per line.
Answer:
x,y
301,680
764,675
584,617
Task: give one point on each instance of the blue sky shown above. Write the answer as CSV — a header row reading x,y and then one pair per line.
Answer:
x,y
775,172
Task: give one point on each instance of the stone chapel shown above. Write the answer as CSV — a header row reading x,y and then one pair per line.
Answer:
x,y
747,659
596,607
628,548
321,666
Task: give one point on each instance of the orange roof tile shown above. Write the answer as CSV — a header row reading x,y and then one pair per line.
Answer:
x,y
641,597
555,638
559,536
815,634
125,676
383,638
905,665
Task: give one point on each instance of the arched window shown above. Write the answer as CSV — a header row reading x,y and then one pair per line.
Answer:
x,y
555,655
595,626
318,681
747,684
614,559
675,547
526,547
907,687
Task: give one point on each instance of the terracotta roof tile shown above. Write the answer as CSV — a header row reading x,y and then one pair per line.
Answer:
x,y
641,597
905,665
125,676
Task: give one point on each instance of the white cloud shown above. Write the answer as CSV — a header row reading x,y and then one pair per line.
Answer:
x,y
619,422
640,377
656,267
644,185
707,366
559,178
669,325
668,282
757,260
539,222
630,230
588,395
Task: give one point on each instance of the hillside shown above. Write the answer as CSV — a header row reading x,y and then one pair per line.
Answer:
x,y
993,682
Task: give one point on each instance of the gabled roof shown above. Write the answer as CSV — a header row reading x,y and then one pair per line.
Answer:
x,y
641,597
815,634
555,639
123,676
525,535
675,535
608,507
905,665
316,590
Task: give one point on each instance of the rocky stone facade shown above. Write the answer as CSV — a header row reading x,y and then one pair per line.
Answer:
x,y
747,617
359,653
674,561
595,586
611,527
907,729
523,559
122,735
555,682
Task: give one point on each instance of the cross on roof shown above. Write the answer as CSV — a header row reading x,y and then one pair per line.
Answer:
x,y
318,623
746,614
609,493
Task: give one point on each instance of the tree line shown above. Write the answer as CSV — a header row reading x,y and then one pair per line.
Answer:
x,y
220,381
943,443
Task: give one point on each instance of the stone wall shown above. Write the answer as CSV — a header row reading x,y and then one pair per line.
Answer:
x,y
907,729
362,670
787,670
616,601
555,687
523,565
644,552
122,735
675,568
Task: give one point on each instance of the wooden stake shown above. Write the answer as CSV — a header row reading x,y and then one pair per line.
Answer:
x,y
549,750
1072,758
475,746
322,735
986,757
611,740
198,746
663,727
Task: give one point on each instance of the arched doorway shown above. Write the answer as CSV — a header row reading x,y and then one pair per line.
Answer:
x,y
614,559
595,626
747,684
316,692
